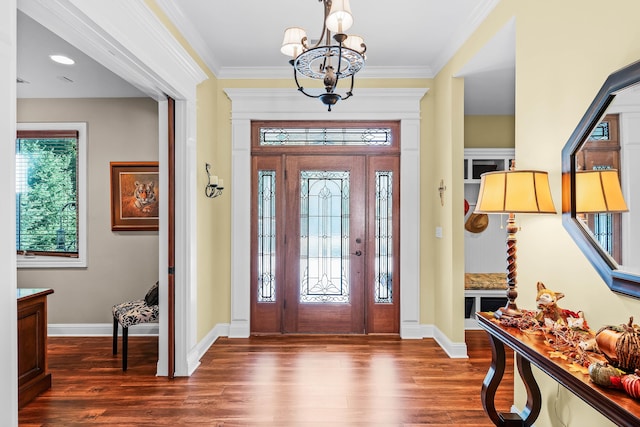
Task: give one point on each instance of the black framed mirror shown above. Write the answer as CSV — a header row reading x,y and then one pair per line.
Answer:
x,y
607,138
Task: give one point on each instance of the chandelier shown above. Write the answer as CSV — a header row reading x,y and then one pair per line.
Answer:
x,y
340,57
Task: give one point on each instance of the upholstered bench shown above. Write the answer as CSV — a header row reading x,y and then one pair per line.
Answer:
x,y
132,313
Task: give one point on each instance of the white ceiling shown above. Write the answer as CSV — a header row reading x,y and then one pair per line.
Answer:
x,y
405,38
47,79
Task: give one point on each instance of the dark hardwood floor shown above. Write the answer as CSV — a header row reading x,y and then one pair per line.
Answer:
x,y
265,381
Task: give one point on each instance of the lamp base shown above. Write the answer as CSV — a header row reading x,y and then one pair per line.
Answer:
x,y
510,309
507,311
499,314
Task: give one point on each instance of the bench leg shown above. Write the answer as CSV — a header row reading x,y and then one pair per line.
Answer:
x,y
115,336
125,339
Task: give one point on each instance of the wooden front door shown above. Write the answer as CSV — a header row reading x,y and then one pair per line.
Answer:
x,y
325,247
324,237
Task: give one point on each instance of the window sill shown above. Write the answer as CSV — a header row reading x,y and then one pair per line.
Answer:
x,y
43,261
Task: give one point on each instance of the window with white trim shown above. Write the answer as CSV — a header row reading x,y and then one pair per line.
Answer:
x,y
51,195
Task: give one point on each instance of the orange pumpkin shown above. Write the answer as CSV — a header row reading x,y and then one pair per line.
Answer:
x,y
621,345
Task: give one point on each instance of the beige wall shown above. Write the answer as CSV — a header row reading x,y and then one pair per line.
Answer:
x,y
489,131
121,265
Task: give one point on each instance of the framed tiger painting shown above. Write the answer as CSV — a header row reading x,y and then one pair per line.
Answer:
x,y
134,196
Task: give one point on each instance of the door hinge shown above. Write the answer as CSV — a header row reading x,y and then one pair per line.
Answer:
x,y
172,270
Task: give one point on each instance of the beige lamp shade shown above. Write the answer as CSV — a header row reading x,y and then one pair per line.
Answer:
x,y
292,42
340,18
515,191
599,191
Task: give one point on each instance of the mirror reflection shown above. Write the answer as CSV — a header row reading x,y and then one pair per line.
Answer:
x,y
607,166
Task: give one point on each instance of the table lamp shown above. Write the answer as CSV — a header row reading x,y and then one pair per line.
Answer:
x,y
510,192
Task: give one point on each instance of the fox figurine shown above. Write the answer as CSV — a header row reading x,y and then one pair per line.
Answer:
x,y
547,302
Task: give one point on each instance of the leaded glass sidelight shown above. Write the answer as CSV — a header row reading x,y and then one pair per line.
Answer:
x,y
324,237
266,236
383,237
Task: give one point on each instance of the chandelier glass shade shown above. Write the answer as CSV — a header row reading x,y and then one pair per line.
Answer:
x,y
335,56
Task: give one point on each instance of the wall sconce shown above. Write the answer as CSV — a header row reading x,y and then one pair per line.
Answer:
x,y
441,190
214,186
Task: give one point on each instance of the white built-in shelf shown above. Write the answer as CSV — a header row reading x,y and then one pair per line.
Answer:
x,y
486,251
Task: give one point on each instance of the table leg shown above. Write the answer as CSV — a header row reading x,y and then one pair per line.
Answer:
x,y
491,383
534,398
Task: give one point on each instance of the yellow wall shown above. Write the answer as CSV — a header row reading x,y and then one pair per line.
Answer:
x,y
561,62
213,215
489,131
559,70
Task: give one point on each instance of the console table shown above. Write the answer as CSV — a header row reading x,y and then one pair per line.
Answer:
x,y
33,375
616,405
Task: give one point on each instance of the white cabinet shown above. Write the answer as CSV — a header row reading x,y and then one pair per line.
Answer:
x,y
485,252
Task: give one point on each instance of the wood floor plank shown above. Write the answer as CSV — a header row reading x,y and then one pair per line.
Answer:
x,y
268,381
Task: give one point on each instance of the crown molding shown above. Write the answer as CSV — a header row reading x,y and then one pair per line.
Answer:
x,y
480,13
284,72
182,23
184,26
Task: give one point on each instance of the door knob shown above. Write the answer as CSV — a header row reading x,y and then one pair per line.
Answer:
x,y
357,253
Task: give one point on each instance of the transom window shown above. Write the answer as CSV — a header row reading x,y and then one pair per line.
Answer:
x,y
325,136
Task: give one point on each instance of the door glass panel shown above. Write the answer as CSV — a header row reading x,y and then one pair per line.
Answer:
x,y
383,237
324,237
266,236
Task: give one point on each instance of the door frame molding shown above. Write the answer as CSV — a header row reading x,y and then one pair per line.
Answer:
x,y
287,104
123,36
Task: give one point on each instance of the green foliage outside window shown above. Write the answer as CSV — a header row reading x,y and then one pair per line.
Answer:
x,y
46,195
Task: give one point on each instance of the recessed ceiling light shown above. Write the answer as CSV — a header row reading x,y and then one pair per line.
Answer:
x,y
61,59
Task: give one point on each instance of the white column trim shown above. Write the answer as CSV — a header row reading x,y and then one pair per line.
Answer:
x,y
288,104
8,306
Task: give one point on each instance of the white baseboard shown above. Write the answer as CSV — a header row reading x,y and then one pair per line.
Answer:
x,y
411,330
220,330
97,329
455,350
